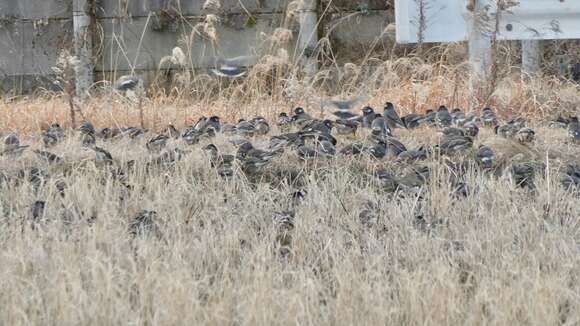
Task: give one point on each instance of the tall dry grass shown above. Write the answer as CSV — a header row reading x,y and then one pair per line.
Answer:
x,y
502,255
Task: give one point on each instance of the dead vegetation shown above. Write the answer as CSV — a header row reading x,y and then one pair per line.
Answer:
x,y
327,242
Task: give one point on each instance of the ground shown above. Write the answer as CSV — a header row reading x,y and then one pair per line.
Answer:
x,y
215,252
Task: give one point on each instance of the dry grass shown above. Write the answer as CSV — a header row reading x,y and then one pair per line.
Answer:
x,y
412,83
503,255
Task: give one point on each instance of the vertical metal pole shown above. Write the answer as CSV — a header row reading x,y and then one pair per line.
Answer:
x,y
83,48
308,35
531,57
480,55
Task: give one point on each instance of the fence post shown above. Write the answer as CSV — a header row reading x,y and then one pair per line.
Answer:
x,y
308,35
83,47
531,57
480,56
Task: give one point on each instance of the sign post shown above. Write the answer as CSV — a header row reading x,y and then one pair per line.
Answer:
x,y
531,57
479,43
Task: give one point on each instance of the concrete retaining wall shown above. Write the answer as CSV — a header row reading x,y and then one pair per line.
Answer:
x,y
133,35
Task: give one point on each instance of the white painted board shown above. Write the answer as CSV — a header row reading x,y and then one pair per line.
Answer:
x,y
447,20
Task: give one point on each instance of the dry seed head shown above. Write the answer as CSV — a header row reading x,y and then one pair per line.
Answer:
x,y
282,35
350,67
178,56
208,27
183,79
211,5
212,19
269,61
283,56
293,8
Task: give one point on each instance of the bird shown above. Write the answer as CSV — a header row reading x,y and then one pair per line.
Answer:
x,y
11,141
458,117
248,150
49,139
157,143
442,117
429,117
88,140
300,117
526,135
453,131
12,146
388,180
102,157
143,224
106,133
523,173
369,215
368,116
455,144
245,128
326,148
37,211
412,120
284,122
392,117
345,127
574,130
191,136
413,155
261,125
213,123
571,177
379,127
559,122
223,163
306,152
231,67
216,159
488,117
378,150
346,115
355,148
167,158
394,146
471,129
48,157
342,104
171,131
87,128
127,82
506,131
485,157
53,135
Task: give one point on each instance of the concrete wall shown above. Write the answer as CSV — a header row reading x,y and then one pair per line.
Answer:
x,y
33,32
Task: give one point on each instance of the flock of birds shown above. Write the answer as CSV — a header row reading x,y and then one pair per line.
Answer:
x,y
369,133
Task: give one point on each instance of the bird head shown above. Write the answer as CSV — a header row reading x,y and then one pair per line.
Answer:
x,y
298,110
367,110
328,124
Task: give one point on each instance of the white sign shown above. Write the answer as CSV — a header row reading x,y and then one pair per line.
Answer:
x,y
448,20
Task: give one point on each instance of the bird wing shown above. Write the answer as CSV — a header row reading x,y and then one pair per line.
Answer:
x,y
230,72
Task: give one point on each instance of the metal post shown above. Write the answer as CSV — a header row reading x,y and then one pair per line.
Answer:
x,y
531,57
308,35
83,48
480,55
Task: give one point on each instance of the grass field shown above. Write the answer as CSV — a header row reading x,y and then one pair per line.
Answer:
x,y
359,252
